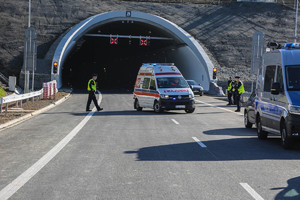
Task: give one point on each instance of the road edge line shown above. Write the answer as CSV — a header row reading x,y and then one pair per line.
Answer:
x,y
10,189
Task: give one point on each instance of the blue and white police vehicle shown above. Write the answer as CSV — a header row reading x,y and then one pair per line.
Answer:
x,y
277,105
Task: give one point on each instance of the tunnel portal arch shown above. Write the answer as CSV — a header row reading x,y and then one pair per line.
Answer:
x,y
190,58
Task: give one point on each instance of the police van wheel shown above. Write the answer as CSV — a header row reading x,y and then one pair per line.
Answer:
x,y
261,134
190,110
137,105
247,123
285,140
157,107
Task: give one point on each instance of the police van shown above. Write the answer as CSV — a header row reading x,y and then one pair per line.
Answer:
x,y
277,106
161,86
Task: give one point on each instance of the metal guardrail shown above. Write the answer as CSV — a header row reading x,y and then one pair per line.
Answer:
x,y
2,77
16,98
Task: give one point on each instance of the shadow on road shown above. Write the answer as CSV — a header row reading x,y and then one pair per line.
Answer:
x,y
218,150
291,192
232,131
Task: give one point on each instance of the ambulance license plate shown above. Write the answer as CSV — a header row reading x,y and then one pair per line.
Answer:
x,y
180,106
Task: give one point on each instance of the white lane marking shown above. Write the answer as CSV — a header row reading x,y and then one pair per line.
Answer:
x,y
176,122
251,191
21,180
199,142
220,108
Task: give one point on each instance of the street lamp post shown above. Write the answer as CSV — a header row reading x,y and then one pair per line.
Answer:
x,y
29,52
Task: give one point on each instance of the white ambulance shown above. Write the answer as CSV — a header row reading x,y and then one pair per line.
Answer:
x,y
161,86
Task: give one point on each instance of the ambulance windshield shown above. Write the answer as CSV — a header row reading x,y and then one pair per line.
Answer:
x,y
172,82
293,77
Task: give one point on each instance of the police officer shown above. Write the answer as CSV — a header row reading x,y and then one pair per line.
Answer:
x,y
92,88
229,91
238,89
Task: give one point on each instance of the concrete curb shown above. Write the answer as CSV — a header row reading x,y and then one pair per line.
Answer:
x,y
30,115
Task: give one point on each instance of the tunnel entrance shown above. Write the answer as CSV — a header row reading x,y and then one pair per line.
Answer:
x,y
116,64
86,49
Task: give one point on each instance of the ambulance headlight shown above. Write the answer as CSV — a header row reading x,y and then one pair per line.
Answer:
x,y
164,96
294,109
191,96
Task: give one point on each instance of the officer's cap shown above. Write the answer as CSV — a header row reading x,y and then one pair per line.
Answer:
x,y
95,75
237,77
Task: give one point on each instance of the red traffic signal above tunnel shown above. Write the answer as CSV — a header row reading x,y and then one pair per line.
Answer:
x,y
143,42
113,40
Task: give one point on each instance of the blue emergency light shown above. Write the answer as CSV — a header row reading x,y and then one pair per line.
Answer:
x,y
174,98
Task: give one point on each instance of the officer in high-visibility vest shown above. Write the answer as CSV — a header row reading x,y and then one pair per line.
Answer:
x,y
229,91
238,89
92,88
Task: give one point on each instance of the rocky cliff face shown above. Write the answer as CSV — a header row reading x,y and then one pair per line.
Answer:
x,y
225,31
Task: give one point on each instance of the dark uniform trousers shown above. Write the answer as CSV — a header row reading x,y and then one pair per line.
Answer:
x,y
230,97
92,96
238,100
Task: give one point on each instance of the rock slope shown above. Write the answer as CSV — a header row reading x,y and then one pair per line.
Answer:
x,y
224,31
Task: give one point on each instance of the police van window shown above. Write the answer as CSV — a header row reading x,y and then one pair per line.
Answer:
x,y
152,84
146,83
279,76
269,78
292,77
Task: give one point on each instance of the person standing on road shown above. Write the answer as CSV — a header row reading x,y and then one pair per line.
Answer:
x,y
238,89
229,91
92,88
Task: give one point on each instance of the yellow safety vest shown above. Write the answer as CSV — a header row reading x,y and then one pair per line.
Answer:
x,y
230,86
94,88
241,89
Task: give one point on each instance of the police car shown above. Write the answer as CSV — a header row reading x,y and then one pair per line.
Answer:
x,y
161,86
277,105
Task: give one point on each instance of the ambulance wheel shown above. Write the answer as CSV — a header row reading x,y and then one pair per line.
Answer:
x,y
157,107
190,110
137,105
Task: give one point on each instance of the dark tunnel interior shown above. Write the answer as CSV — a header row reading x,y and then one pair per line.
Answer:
x,y
117,65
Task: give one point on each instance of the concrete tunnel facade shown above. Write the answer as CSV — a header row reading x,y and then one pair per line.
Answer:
x,y
189,56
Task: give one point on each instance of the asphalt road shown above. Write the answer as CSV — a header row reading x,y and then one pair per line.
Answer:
x,y
120,153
